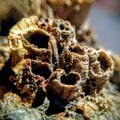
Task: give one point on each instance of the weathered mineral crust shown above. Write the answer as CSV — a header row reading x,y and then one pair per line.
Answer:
x,y
51,75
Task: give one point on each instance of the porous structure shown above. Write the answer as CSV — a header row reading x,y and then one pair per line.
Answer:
x,y
47,62
50,68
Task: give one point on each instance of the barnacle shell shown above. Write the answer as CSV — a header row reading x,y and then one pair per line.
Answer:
x,y
49,69
30,78
75,59
34,53
26,33
101,69
62,31
66,86
76,10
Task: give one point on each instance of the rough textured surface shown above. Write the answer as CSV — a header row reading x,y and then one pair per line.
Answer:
x,y
115,78
53,71
38,50
101,67
48,64
10,103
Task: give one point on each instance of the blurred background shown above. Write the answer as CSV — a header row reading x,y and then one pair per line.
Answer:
x,y
104,18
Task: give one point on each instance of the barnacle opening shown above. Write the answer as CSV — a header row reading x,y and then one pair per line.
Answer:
x,y
39,39
42,71
70,79
62,27
104,61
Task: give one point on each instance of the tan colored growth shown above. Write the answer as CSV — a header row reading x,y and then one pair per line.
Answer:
x,y
101,68
46,57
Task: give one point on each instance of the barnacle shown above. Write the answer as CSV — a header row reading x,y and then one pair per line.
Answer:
x,y
29,41
45,53
76,10
9,103
101,68
30,78
23,39
62,31
66,86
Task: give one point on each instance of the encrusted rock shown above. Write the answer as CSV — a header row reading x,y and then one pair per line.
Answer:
x,y
45,53
62,31
23,41
75,59
10,103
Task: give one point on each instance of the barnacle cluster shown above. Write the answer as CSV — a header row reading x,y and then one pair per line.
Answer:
x,y
50,68
47,61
